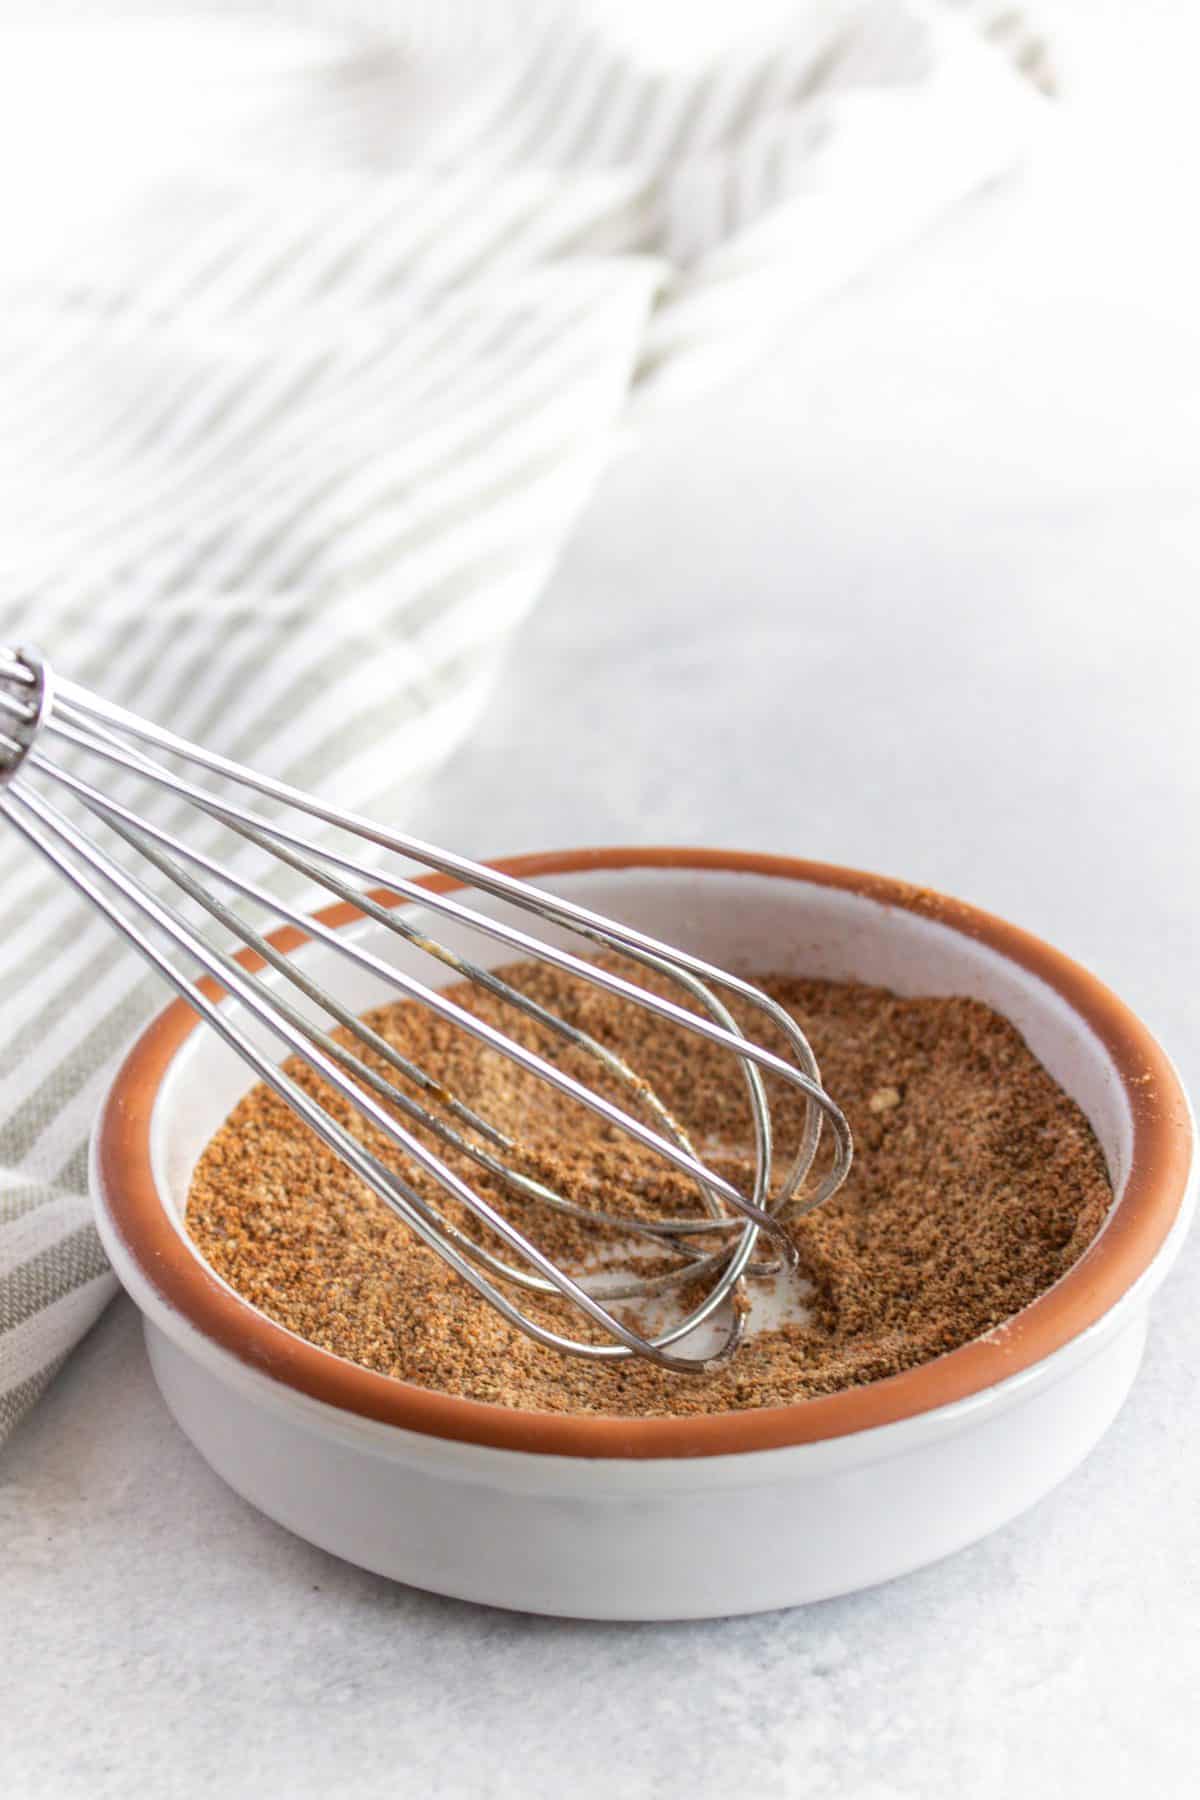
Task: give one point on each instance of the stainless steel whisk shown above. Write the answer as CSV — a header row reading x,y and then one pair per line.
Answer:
x,y
712,1249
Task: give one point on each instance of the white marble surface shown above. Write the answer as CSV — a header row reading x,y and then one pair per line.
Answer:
x,y
920,596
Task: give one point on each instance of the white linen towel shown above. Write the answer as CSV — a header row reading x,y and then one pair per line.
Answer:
x,y
315,332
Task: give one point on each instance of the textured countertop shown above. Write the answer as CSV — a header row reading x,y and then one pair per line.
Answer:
x,y
920,595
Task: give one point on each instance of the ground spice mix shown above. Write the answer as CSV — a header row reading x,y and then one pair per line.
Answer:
x,y
976,1183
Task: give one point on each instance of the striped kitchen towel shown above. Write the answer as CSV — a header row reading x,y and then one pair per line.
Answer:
x,y
315,333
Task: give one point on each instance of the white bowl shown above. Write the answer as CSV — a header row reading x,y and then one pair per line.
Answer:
x,y
670,1518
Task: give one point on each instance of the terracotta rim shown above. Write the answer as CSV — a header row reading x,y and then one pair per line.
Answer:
x,y
1138,1226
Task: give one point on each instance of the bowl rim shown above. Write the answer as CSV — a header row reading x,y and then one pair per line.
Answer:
x,y
1135,1230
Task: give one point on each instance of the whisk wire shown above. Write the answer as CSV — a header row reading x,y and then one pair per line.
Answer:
x,y
710,1252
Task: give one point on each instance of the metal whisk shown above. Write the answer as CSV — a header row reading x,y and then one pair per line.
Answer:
x,y
160,906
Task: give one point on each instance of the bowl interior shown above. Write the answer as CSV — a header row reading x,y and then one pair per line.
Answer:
x,y
740,920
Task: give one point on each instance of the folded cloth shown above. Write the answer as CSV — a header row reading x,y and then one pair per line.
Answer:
x,y
298,418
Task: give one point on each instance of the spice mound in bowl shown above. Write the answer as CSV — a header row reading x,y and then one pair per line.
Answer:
x,y
977,1182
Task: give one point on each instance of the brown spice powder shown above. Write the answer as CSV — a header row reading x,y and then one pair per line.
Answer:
x,y
976,1184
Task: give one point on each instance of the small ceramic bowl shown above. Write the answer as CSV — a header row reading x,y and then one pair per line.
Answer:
x,y
671,1517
